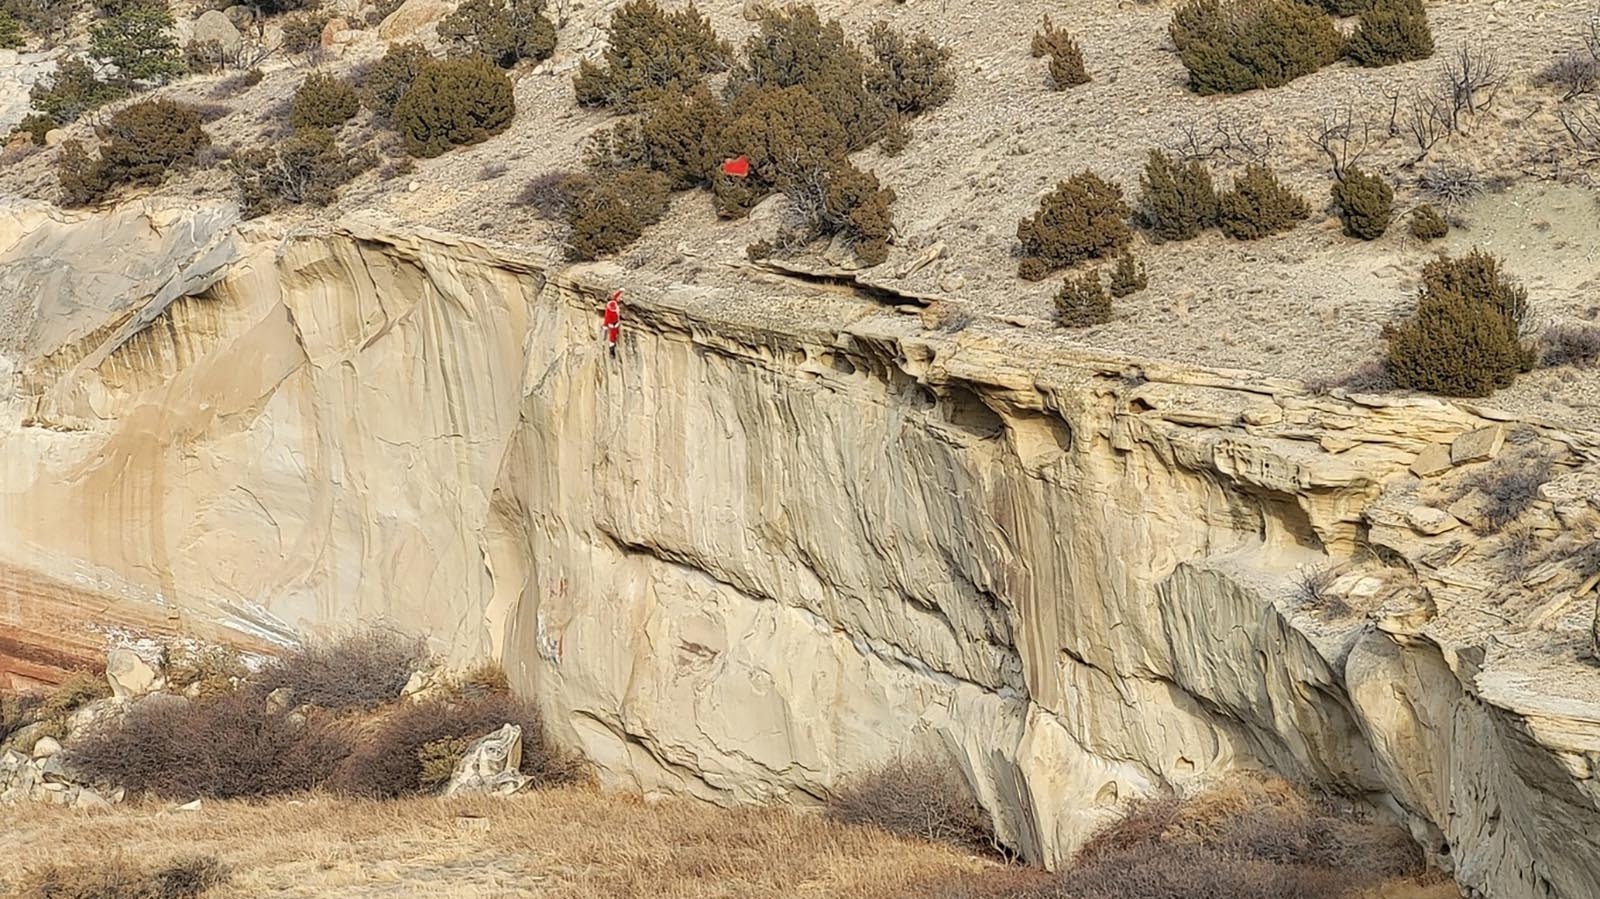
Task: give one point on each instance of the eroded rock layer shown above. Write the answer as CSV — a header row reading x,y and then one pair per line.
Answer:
x,y
779,539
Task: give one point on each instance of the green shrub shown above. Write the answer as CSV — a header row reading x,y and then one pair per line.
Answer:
x,y
323,101
1389,32
279,7
609,213
10,31
1083,218
1259,204
82,179
37,125
787,136
1365,203
387,80
677,136
73,91
452,103
1176,200
847,201
437,760
1082,301
145,141
140,43
303,33
1463,338
1066,57
1231,46
1346,7
204,57
46,19
794,48
1428,224
308,168
650,52
110,9
1128,277
908,76
503,32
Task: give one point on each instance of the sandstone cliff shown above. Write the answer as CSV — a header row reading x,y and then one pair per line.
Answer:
x,y
790,532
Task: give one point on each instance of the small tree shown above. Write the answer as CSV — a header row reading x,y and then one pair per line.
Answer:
x,y
1082,301
908,76
452,103
1389,32
1231,46
1128,277
1066,57
73,91
1365,203
145,141
387,80
1478,275
1463,339
606,214
679,134
794,48
1259,204
140,44
1083,218
1427,223
650,52
82,178
323,101
500,31
842,199
1176,200
787,137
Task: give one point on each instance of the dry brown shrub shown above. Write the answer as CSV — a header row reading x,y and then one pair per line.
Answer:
x,y
916,798
362,670
116,877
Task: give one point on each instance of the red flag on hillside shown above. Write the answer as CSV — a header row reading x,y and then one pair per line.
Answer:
x,y
737,168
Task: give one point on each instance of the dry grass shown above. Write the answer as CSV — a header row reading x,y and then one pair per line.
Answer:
x,y
566,843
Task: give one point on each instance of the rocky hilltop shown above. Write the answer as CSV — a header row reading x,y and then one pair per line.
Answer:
x,y
779,539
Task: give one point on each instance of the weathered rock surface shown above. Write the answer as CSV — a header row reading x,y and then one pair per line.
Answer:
x,y
490,766
772,544
214,25
129,675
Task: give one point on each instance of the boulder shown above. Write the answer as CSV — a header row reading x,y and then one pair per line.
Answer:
x,y
46,747
412,17
332,30
27,736
240,17
1431,462
1430,521
129,675
54,137
214,25
88,798
490,765
1479,445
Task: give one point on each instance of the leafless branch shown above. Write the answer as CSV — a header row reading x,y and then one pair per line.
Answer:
x,y
1343,138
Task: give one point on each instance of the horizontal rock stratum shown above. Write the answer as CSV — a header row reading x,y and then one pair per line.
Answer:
x,y
788,534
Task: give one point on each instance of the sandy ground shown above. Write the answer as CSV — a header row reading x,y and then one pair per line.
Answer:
x,y
1306,304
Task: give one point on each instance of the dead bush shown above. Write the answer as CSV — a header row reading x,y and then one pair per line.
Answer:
x,y
650,53
1259,205
550,195
1082,301
360,670
1509,487
1451,186
1066,57
502,32
1365,202
323,101
919,798
1083,218
236,84
909,76
229,745
115,877
1231,46
1574,74
1574,345
1311,590
1128,276
303,33
438,759
388,762
1176,199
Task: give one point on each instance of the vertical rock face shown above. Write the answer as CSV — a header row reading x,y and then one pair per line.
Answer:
x,y
748,557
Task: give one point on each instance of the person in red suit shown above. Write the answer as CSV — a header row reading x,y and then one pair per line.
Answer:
x,y
613,320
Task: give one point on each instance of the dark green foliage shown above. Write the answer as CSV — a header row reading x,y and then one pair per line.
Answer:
x,y
1083,218
323,101
140,43
10,31
1176,199
908,76
1346,7
145,141
1365,202
1082,301
45,19
787,136
279,7
1259,204
308,168
37,126
500,31
610,211
110,9
73,91
853,205
1231,46
651,52
1463,339
387,80
1066,57
794,48
1129,276
677,136
451,103
82,180
1428,224
303,33
1389,32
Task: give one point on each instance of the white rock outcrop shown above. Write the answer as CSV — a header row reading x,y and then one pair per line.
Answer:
x,y
490,765
758,552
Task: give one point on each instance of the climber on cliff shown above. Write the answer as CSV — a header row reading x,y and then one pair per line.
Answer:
x,y
613,320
